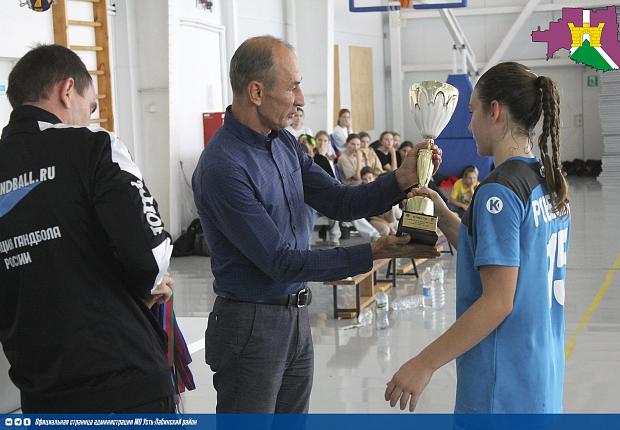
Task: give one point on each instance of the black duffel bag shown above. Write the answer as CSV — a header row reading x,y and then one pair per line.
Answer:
x,y
191,242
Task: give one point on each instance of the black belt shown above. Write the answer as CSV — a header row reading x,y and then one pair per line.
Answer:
x,y
299,299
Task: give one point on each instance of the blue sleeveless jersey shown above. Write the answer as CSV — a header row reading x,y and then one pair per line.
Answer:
x,y
519,367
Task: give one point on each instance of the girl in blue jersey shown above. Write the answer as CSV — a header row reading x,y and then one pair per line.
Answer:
x,y
508,339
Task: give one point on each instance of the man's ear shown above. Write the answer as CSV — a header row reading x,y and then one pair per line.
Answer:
x,y
65,91
256,92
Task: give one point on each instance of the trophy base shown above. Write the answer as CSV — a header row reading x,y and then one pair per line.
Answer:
x,y
422,228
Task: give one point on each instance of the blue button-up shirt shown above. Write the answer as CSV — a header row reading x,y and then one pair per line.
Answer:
x,y
251,190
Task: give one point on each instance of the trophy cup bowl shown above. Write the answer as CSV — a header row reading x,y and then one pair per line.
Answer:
x,y
432,104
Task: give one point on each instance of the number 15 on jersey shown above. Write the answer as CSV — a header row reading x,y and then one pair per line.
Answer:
x,y
556,255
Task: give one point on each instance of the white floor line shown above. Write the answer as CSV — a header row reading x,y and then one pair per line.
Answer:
x,y
194,347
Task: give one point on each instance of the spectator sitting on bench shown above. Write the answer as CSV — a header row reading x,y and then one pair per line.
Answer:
x,y
386,223
342,130
402,152
397,140
330,232
321,154
308,143
350,165
350,162
463,190
296,127
386,151
369,156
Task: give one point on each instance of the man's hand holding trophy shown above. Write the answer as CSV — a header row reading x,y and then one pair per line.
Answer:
x,y
432,104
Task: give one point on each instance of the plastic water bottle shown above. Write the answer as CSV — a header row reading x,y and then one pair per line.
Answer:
x,y
438,294
437,273
383,307
365,317
407,303
427,288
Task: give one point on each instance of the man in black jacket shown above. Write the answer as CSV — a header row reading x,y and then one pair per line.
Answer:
x,y
83,252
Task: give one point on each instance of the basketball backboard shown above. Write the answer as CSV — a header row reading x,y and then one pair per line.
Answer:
x,y
392,5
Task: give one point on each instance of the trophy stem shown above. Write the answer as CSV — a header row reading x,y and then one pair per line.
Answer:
x,y
425,166
432,104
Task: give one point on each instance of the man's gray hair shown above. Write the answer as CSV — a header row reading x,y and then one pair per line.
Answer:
x,y
253,61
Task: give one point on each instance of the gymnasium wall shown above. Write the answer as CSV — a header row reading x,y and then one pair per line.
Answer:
x,y
362,30
580,123
161,86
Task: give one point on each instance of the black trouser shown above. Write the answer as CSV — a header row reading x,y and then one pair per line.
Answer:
x,y
161,406
262,356
164,405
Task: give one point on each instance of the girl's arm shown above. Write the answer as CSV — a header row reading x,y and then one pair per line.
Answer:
x,y
499,284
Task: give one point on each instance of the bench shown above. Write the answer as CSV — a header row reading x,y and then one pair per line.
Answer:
x,y
366,286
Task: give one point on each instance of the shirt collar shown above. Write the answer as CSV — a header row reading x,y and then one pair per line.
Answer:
x,y
528,160
245,133
26,118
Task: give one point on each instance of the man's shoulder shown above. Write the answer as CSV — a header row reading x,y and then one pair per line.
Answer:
x,y
225,154
85,137
73,129
223,145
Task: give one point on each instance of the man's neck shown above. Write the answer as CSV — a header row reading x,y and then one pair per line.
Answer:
x,y
248,116
48,106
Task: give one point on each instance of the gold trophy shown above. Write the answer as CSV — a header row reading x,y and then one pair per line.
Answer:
x,y
432,104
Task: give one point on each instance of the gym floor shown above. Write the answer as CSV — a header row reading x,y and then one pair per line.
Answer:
x,y
352,366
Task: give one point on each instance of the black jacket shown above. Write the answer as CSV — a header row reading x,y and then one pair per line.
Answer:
x,y
81,242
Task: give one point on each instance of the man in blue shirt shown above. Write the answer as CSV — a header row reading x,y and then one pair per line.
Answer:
x,y
251,186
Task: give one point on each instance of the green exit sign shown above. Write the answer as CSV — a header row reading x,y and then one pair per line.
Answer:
x,y
593,81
